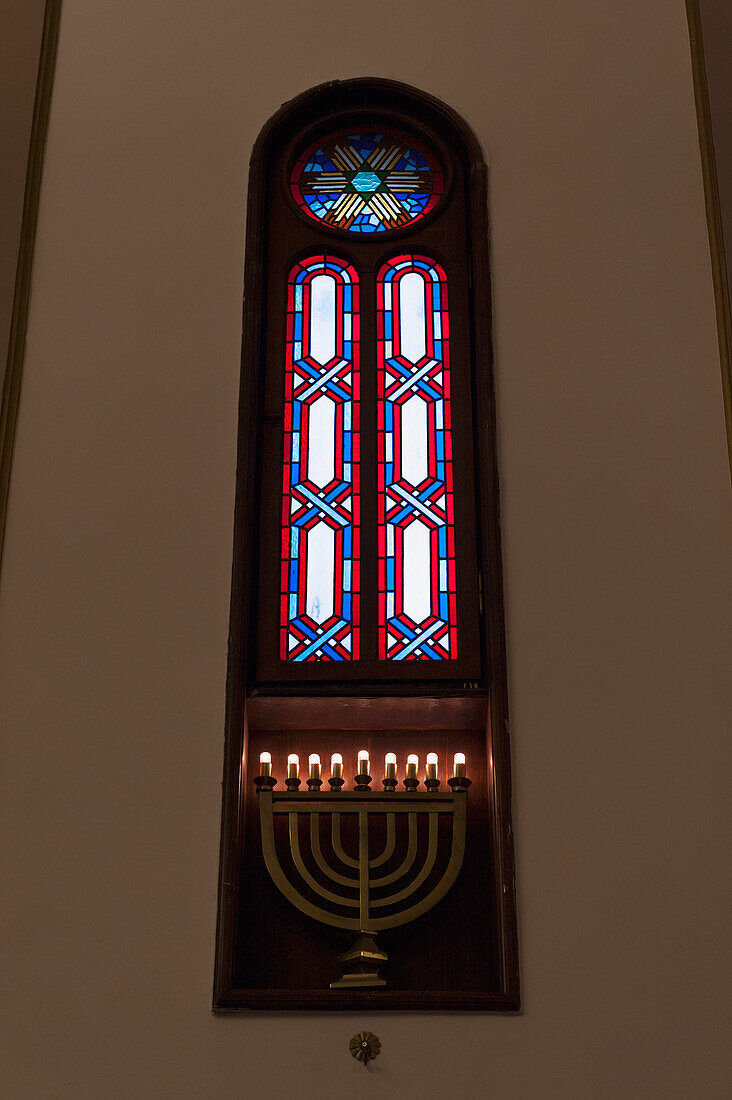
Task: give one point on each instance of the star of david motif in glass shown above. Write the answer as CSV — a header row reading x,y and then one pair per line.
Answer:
x,y
417,600
367,182
319,616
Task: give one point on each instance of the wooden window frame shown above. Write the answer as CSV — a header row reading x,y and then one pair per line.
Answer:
x,y
403,701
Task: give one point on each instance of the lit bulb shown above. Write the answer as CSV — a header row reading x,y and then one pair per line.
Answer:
x,y
363,761
412,765
432,765
459,765
390,758
265,763
390,763
336,766
314,762
293,766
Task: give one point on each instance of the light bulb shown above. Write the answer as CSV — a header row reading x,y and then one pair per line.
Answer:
x,y
458,769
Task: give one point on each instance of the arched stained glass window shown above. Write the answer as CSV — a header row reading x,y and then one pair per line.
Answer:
x,y
417,584
368,562
320,501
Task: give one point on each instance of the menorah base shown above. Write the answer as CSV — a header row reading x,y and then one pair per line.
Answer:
x,y
360,964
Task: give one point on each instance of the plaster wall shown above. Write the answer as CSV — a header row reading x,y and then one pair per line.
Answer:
x,y
617,544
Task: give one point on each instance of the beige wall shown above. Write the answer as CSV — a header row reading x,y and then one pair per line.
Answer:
x,y
617,549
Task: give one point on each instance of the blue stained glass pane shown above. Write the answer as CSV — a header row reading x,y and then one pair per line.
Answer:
x,y
366,181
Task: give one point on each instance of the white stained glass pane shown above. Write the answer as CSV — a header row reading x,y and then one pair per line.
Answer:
x,y
412,335
320,550
321,441
414,440
416,577
322,318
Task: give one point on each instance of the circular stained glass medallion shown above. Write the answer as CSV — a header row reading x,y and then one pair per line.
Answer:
x,y
367,181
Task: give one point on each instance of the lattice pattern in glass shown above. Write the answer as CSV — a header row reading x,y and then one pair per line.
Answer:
x,y
416,534
319,618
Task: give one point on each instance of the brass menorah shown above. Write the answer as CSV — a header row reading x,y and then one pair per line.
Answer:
x,y
363,899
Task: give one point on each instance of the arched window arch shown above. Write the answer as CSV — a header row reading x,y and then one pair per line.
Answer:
x,y
366,589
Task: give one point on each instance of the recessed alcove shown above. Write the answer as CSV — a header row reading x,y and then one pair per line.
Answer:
x,y
367,608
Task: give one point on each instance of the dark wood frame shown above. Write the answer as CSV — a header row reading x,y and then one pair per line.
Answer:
x,y
375,705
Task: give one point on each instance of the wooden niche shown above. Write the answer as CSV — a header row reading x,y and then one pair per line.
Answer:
x,y
379,181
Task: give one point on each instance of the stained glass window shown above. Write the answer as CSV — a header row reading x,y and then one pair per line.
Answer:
x,y
416,537
319,618
367,181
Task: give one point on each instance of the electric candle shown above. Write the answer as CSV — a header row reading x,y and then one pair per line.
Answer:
x,y
314,762
390,762
459,770
336,766
363,761
412,765
432,765
293,766
265,763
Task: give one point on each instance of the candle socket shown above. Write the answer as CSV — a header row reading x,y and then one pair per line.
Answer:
x,y
264,782
389,782
292,783
432,783
363,782
336,782
411,782
459,783
314,782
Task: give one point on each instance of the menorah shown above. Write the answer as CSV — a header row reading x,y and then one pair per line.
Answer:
x,y
363,899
